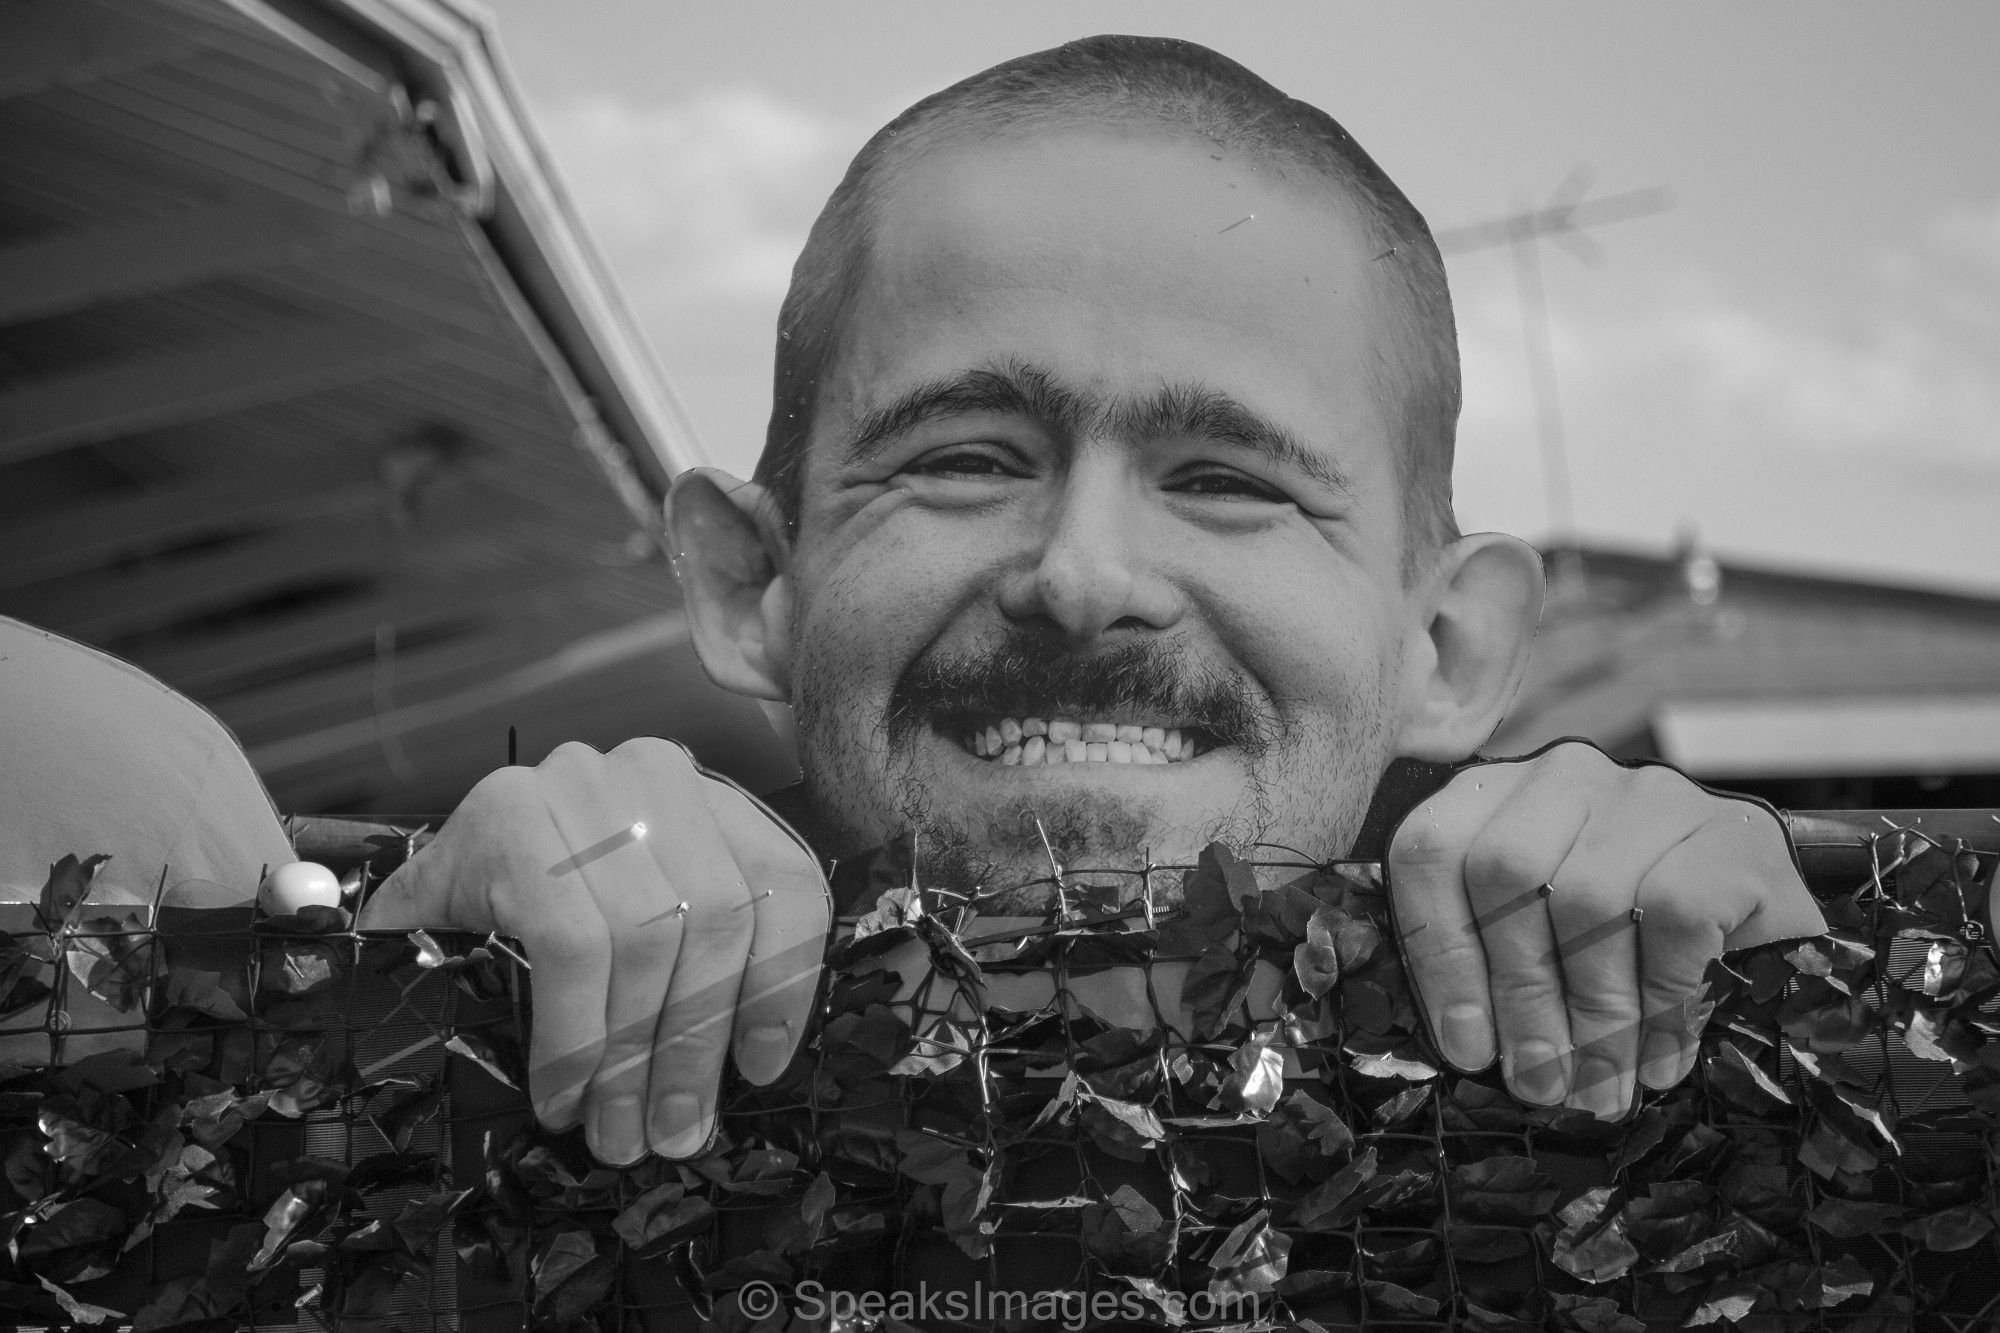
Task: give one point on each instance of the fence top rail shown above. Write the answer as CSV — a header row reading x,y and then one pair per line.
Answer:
x,y
1835,847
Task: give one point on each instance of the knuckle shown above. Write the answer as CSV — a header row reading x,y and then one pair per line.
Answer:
x,y
647,943
1528,991
1578,751
1577,758
1420,845
570,754
1606,1011
682,1053
1672,905
1452,958
1504,859
1657,783
503,787
564,936
654,750
622,1065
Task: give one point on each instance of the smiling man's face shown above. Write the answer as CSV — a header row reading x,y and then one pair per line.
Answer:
x,y
1101,522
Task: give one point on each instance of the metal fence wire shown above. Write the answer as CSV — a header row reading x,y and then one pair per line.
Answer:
x,y
217,1121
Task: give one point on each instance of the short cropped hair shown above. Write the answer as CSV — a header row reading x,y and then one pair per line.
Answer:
x,y
1135,82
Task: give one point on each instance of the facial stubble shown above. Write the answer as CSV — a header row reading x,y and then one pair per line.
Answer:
x,y
1308,772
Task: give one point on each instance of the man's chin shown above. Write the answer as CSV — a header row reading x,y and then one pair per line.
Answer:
x,y
1004,827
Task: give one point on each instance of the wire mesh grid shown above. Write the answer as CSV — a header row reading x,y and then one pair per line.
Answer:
x,y
1220,1112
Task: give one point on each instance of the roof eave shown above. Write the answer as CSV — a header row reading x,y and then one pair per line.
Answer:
x,y
448,52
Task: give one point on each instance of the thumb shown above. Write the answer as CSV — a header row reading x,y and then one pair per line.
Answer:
x,y
417,895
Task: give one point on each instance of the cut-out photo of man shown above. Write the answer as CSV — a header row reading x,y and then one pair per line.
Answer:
x,y
1107,496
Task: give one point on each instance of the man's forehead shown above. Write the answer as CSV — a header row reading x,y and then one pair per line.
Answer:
x,y
1122,266
1057,190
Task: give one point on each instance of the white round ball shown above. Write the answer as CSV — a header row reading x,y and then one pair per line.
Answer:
x,y
298,885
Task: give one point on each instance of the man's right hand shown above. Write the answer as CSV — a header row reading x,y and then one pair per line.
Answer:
x,y
669,918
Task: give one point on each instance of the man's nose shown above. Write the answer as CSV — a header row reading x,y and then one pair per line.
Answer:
x,y
1090,574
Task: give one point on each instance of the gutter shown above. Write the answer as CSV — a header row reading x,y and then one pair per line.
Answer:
x,y
445,52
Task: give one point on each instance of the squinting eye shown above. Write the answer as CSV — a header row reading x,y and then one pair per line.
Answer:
x,y
960,463
1229,485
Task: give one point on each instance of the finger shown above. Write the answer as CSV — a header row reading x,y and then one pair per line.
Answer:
x,y
475,876
1510,870
606,859
1433,917
793,911
413,897
1597,935
693,1020
599,849
425,892
1780,907
1679,936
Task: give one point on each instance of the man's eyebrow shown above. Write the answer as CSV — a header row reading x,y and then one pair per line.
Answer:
x,y
1194,411
1014,390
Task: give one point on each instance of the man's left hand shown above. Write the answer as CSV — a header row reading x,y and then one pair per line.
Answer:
x,y
1570,906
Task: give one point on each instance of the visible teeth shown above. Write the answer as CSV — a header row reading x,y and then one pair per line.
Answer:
x,y
1063,740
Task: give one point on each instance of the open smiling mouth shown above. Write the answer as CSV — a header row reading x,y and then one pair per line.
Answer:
x,y
1029,742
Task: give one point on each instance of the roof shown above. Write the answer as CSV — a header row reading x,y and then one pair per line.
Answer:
x,y
316,402
1739,671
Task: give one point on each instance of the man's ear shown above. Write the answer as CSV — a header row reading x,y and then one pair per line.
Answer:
x,y
733,555
1480,606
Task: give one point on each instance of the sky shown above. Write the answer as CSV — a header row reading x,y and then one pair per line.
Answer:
x,y
1798,361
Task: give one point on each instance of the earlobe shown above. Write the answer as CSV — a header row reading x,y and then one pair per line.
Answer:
x,y
1464,664
731,555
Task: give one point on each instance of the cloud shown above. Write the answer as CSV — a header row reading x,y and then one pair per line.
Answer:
x,y
1843,436
709,196
700,205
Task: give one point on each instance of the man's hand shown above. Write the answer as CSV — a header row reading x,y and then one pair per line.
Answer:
x,y
667,915
1574,905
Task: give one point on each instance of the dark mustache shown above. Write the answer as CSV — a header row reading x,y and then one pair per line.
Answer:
x,y
1044,679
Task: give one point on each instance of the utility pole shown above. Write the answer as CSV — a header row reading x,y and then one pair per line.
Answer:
x,y
1564,219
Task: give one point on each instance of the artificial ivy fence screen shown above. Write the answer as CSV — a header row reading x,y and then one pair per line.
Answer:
x,y
214,1121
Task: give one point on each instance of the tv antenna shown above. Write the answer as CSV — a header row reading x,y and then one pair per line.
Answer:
x,y
1564,220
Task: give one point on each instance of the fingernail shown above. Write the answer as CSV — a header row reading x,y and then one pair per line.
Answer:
x,y
616,1134
678,1127
1660,1060
1537,1073
1598,1088
1468,1036
764,1052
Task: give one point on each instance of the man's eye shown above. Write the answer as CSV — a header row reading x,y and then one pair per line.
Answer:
x,y
1229,485
962,463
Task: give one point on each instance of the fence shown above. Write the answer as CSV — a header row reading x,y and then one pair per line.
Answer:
x,y
281,1123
